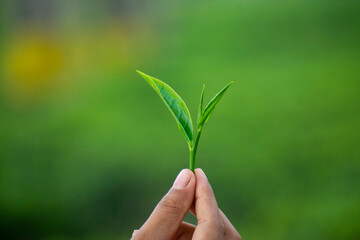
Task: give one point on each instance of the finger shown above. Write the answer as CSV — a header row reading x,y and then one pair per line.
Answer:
x,y
192,209
185,231
134,233
210,225
229,230
171,210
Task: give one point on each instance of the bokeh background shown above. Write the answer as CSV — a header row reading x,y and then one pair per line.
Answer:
x,y
87,149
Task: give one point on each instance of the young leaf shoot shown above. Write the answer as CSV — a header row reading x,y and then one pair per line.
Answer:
x,y
181,113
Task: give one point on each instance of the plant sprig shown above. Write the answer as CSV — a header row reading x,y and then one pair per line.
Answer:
x,y
179,110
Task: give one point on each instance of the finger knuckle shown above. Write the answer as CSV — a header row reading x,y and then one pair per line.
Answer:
x,y
170,205
237,236
220,226
213,224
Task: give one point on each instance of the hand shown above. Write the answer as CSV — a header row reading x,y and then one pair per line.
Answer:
x,y
190,192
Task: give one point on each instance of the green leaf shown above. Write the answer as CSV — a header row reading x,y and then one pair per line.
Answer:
x,y
175,104
211,106
201,103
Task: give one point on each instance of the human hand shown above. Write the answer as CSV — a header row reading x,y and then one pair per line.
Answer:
x,y
190,192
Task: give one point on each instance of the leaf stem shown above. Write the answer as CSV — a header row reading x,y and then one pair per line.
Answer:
x,y
193,149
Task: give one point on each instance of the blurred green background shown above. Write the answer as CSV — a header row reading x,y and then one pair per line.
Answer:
x,y
87,149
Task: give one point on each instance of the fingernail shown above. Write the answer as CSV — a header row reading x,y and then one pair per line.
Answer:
x,y
183,179
201,172
135,231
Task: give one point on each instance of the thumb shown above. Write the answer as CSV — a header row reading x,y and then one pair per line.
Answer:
x,y
171,210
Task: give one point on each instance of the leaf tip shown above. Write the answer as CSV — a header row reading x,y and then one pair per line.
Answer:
x,y
229,84
203,89
140,72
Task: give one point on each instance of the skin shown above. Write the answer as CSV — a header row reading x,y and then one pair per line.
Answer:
x,y
190,192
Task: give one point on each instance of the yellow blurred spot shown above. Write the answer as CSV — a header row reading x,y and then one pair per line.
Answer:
x,y
31,63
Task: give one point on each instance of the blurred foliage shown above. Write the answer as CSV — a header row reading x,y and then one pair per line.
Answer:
x,y
85,150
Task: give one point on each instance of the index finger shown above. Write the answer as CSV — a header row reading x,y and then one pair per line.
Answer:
x,y
207,212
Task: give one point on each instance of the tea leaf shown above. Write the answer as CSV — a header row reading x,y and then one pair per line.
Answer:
x,y
175,104
211,106
201,104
